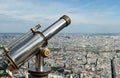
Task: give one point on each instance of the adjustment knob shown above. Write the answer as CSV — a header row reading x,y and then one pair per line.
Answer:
x,y
45,52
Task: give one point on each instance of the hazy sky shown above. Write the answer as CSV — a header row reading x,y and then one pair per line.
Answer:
x,y
87,16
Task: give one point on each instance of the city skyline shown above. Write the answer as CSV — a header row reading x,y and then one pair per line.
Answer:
x,y
96,16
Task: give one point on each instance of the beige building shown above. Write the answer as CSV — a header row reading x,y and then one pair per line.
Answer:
x,y
52,75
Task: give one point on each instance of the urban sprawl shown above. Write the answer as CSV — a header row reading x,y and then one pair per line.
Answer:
x,y
76,56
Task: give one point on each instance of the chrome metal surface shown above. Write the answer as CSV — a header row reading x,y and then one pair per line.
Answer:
x,y
22,38
19,40
38,74
26,49
45,69
54,28
39,62
57,26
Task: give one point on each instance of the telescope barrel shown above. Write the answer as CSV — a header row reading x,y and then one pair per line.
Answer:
x,y
56,27
21,39
27,48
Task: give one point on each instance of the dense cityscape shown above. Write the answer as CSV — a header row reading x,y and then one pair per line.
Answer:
x,y
76,55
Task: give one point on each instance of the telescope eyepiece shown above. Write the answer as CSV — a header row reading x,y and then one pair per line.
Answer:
x,y
67,19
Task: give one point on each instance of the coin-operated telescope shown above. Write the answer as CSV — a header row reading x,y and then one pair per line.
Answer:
x,y
32,44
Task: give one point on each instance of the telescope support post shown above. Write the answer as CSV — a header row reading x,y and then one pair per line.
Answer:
x,y
39,62
40,71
